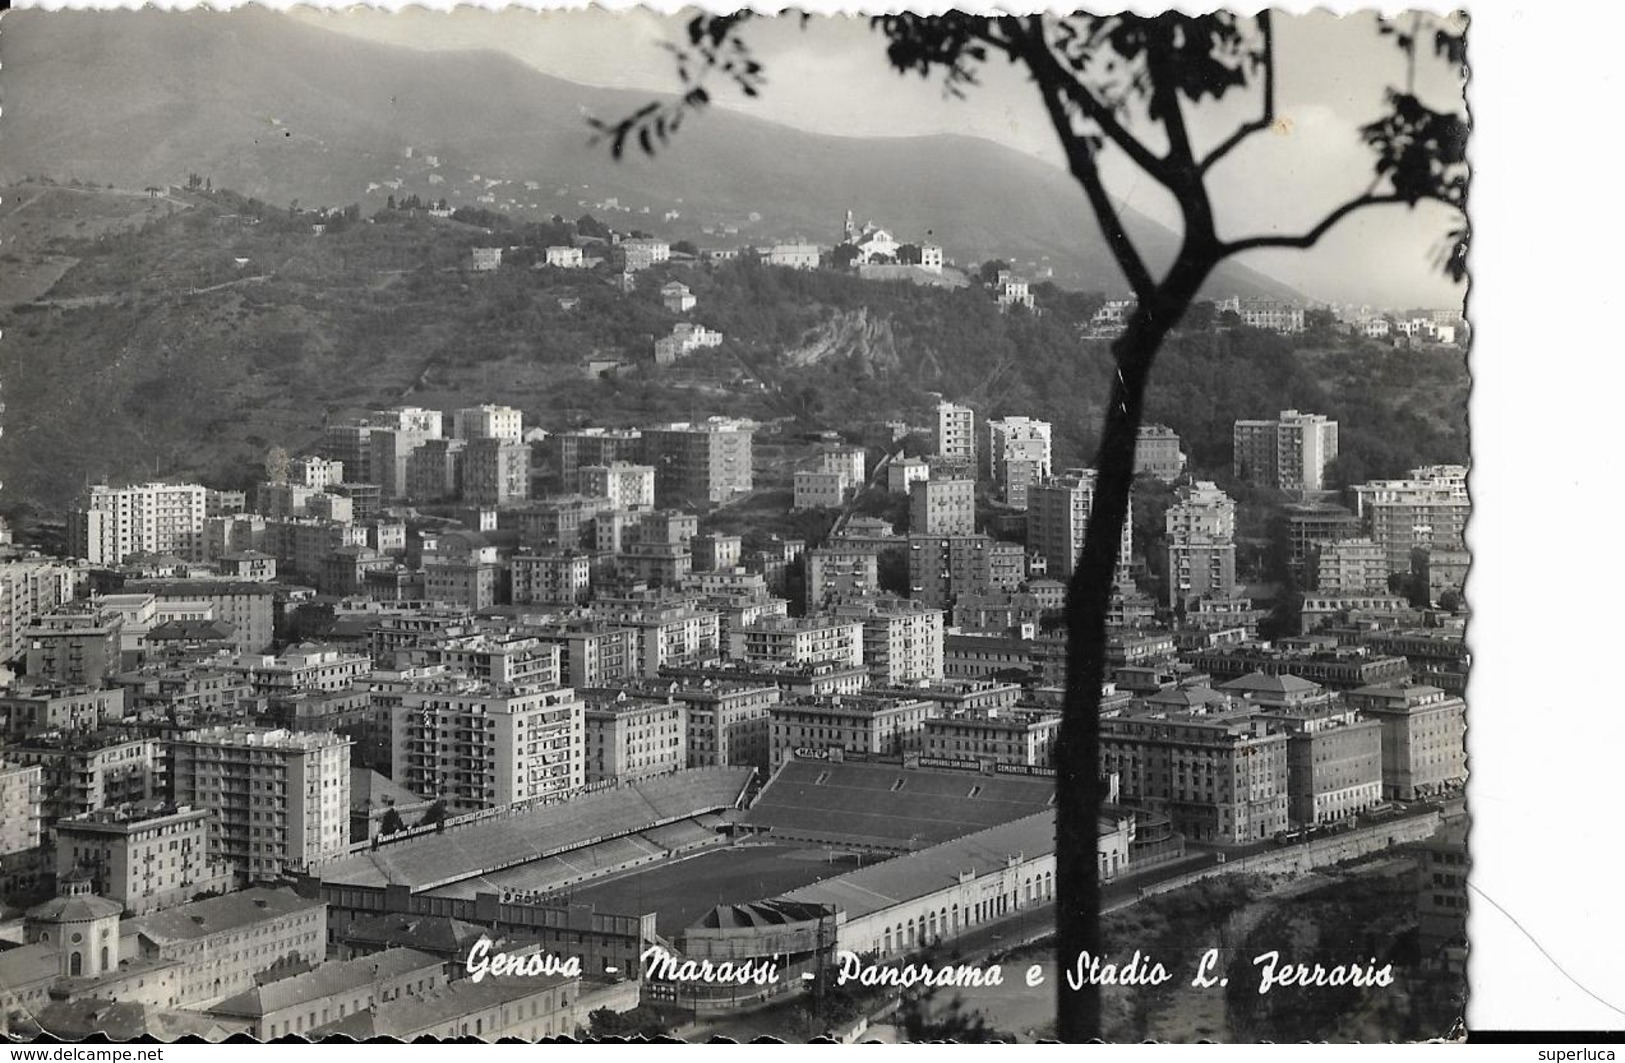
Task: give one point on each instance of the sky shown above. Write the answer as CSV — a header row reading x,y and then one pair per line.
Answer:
x,y
1331,77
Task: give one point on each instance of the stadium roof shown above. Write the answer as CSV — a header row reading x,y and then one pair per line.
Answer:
x,y
490,845
918,874
888,805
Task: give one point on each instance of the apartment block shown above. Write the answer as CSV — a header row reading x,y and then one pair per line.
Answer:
x,y
20,813
835,574
29,589
942,507
1351,566
1220,776
1058,511
551,577
1290,453
902,638
1427,510
145,857
956,433
707,461
1018,454
787,640
280,799
625,484
496,471
1424,738
1008,737
488,422
852,723
634,737
154,518
1200,528
941,568
477,745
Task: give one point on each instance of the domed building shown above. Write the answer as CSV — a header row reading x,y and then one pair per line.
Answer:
x,y
81,926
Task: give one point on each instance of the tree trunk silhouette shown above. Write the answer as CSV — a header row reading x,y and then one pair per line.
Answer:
x,y
1088,602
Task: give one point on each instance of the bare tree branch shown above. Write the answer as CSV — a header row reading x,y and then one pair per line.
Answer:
x,y
1264,120
1308,239
1035,50
1080,157
1165,104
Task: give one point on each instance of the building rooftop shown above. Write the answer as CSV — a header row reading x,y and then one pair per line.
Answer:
x,y
217,915
411,1015
325,980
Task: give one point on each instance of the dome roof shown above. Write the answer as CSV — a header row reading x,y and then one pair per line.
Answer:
x,y
75,909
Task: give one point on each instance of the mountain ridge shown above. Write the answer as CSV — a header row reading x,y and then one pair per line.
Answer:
x,y
288,110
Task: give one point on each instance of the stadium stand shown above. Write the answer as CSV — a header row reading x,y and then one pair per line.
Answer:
x,y
542,833
545,880
886,806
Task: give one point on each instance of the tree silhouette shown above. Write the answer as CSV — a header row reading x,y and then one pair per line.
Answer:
x,y
1123,83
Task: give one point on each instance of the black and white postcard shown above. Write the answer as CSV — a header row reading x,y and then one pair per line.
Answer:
x,y
609,524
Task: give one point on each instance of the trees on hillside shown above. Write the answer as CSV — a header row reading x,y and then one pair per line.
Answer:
x,y
1126,84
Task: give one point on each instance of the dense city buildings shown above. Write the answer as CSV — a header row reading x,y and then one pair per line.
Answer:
x,y
495,677
1427,510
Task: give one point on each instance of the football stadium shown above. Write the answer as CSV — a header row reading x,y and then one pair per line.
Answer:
x,y
882,855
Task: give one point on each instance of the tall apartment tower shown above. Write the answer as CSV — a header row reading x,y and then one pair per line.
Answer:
x,y
477,745
281,798
706,461
1058,510
1201,537
1289,454
153,518
942,507
1427,510
956,433
1018,453
496,471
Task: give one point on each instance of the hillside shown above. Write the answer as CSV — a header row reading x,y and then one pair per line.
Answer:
x,y
285,111
189,346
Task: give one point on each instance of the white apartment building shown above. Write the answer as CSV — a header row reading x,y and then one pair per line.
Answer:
x,y
625,484
476,745
152,518
1428,509
956,433
1018,453
1290,453
488,422
28,590
791,640
902,638
634,738
1058,510
280,799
